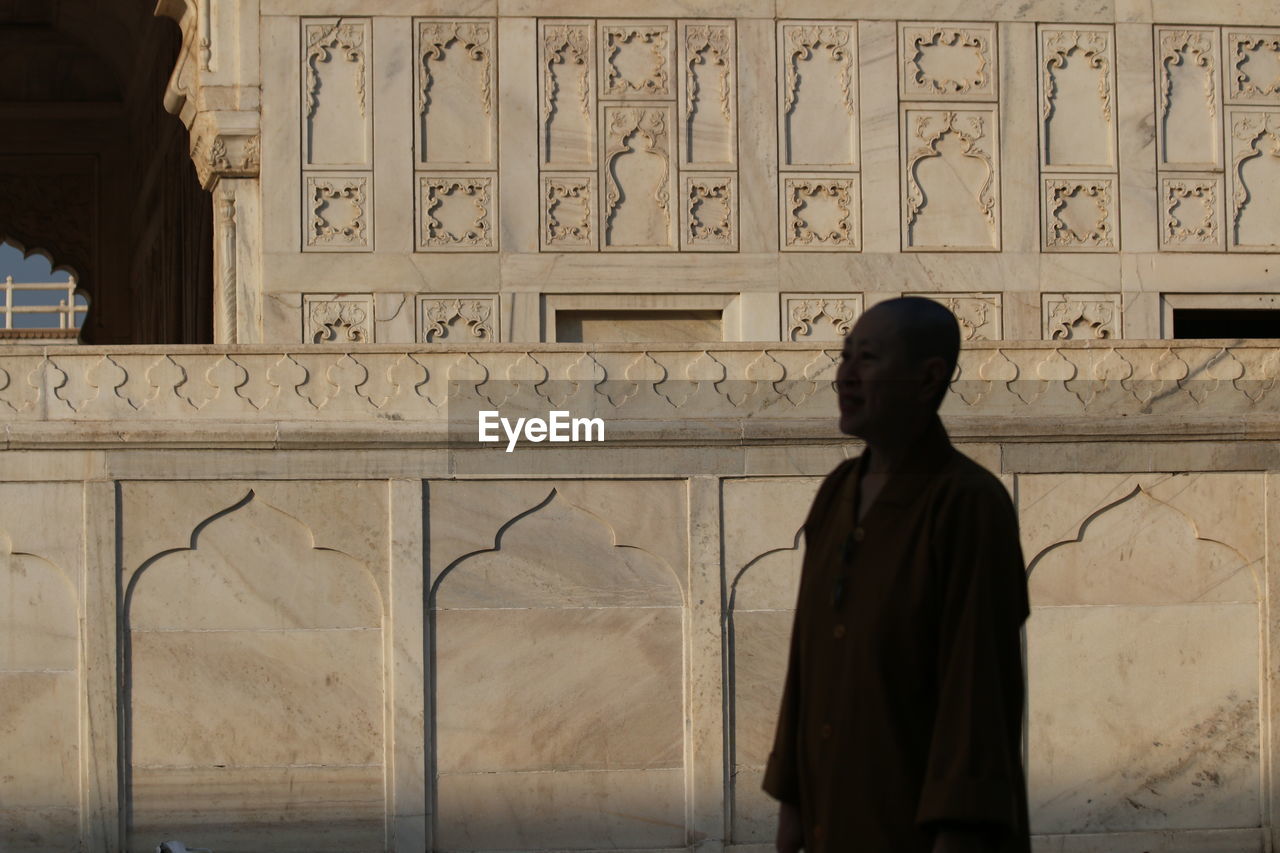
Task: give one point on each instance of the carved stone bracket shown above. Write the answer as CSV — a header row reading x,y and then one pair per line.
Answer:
x,y
1075,316
819,317
219,155
337,318
457,319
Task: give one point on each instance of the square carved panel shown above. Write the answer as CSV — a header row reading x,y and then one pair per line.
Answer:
x,y
457,213
454,318
637,60
1080,316
568,212
337,212
1191,213
1079,214
819,316
821,212
1252,65
947,62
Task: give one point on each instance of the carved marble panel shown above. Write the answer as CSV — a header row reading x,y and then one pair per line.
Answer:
x,y
457,213
637,60
819,316
709,212
1080,214
568,212
457,319
951,62
979,314
1188,98
1253,66
1191,213
455,75
1080,316
950,179
817,94
708,94
1253,179
821,212
567,104
337,318
1077,97
337,102
638,164
337,212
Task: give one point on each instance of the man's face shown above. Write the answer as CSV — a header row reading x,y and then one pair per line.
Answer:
x,y
878,386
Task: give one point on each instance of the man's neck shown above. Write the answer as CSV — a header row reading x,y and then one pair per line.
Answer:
x,y
889,450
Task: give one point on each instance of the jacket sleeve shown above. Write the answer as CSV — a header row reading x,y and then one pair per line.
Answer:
x,y
974,771
782,773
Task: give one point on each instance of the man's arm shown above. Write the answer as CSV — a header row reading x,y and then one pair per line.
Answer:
x,y
974,770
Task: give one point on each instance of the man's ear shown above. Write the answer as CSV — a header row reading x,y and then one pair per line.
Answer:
x,y
934,378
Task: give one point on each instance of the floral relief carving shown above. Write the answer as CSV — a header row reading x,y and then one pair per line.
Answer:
x,y
1184,226
801,42
326,197
568,212
1094,230
804,314
1092,46
338,320
920,41
435,192
649,129
435,37
441,316
1196,47
819,212
709,45
928,129
566,44
977,314
1246,58
654,41
1068,317
1253,134
709,211
323,42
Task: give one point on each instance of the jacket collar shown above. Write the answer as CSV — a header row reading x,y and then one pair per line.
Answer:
x,y
932,453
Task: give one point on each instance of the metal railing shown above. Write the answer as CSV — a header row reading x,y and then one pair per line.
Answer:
x,y
66,309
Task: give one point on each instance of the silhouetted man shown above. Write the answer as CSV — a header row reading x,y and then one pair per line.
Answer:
x,y
901,722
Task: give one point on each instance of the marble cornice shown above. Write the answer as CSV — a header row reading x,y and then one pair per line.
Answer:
x,y
393,396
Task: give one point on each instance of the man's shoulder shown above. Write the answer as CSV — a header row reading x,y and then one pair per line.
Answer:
x,y
967,479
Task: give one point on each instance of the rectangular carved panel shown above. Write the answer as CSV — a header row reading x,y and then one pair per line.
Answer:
x,y
1077,109
952,62
708,95
709,212
951,178
1253,217
638,175
978,314
820,212
457,213
337,212
337,318
1080,214
567,117
568,213
817,95
1191,213
457,319
455,72
1080,316
1188,100
637,60
819,316
1253,66
337,108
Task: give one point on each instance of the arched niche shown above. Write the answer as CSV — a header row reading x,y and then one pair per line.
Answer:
x,y
558,700
255,685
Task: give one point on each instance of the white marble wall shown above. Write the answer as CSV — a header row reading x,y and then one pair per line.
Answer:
x,y
1044,158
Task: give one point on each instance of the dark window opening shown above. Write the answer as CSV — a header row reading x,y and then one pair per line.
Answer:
x,y
1226,323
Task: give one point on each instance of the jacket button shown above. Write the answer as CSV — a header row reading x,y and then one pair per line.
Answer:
x,y
839,632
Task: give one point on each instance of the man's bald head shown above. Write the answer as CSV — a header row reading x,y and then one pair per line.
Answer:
x,y
923,328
